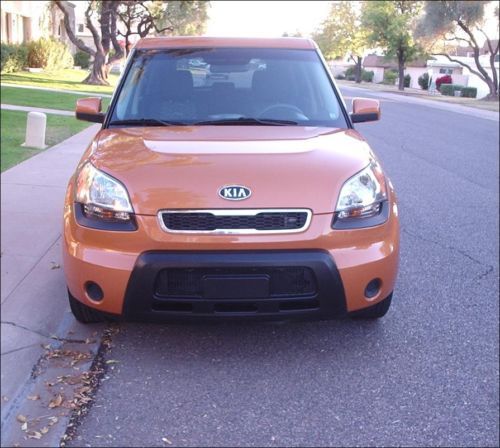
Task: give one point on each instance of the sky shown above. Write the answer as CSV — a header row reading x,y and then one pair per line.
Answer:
x,y
264,18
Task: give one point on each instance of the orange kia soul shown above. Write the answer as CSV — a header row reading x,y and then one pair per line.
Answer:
x,y
227,181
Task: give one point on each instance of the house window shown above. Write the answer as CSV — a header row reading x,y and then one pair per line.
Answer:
x,y
446,71
80,27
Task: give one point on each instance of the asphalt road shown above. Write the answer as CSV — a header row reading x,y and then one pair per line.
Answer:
x,y
425,375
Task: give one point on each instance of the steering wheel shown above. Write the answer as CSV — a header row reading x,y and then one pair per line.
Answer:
x,y
283,111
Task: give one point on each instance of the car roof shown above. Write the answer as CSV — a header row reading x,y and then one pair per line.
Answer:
x,y
247,42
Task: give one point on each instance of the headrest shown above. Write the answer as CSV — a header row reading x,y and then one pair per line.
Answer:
x,y
175,85
272,84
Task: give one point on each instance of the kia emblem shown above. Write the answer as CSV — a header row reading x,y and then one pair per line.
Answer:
x,y
234,192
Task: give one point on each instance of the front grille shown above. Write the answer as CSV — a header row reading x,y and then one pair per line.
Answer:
x,y
189,282
238,221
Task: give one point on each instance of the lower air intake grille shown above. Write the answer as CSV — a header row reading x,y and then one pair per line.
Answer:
x,y
189,282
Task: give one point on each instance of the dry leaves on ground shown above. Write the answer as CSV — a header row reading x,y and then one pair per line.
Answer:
x,y
56,401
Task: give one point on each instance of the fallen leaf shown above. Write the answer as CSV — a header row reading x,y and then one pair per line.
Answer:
x,y
56,401
34,397
165,440
21,418
24,426
53,420
34,435
44,430
55,265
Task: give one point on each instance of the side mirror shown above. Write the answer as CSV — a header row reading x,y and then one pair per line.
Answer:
x,y
89,109
364,109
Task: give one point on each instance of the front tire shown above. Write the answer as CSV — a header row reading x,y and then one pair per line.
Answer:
x,y
83,313
374,312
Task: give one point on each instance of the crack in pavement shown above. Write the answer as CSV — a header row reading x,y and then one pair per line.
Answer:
x,y
408,151
30,270
53,337
18,349
489,267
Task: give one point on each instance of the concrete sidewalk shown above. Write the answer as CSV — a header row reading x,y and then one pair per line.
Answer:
x,y
37,109
48,89
451,107
34,305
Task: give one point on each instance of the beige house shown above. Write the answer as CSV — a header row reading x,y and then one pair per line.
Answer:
x,y
378,65
24,21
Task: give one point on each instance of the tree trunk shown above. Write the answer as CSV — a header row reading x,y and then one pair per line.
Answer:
x,y
358,69
401,69
99,73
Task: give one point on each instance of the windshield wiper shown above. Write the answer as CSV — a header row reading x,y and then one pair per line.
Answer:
x,y
247,121
147,122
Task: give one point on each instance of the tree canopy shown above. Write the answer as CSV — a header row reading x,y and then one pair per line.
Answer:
x,y
462,22
390,26
109,19
341,35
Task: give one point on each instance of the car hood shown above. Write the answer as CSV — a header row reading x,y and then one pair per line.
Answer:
x,y
184,167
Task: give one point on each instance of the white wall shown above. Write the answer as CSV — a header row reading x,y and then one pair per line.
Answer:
x,y
378,73
415,72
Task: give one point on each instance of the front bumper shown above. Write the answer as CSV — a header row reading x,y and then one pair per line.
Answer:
x,y
263,284
125,265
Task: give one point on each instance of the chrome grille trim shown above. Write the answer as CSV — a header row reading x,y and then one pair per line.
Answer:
x,y
236,212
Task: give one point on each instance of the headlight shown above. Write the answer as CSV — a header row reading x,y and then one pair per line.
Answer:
x,y
362,197
101,197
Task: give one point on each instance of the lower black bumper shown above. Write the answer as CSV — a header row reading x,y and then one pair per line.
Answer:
x,y
266,285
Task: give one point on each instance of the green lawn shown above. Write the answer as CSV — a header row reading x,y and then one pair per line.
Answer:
x,y
64,80
43,98
13,128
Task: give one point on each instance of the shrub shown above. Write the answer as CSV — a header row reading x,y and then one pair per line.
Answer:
x,y
423,81
407,80
367,75
340,76
49,54
350,74
13,58
450,89
390,76
446,79
82,59
469,92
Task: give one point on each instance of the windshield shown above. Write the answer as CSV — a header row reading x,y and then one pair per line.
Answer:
x,y
227,86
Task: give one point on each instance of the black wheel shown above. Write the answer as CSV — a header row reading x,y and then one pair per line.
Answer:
x,y
374,312
84,313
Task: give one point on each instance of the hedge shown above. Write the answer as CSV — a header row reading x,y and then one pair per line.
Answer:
x,y
82,59
367,75
423,81
446,79
407,80
390,76
13,58
469,92
450,89
49,54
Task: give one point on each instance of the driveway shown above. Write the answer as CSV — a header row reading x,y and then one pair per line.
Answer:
x,y
425,375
